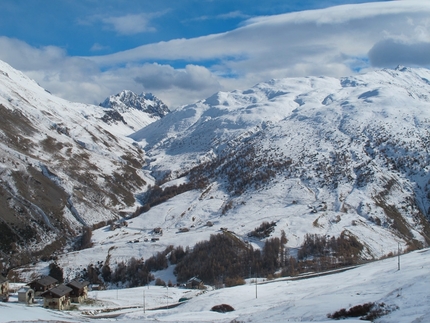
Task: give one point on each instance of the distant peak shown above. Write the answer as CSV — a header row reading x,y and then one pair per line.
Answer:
x,y
146,102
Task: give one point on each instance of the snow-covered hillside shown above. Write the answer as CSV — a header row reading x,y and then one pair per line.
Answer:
x,y
62,167
317,155
312,155
403,293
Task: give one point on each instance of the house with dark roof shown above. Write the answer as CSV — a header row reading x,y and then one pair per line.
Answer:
x,y
79,291
4,289
57,298
42,285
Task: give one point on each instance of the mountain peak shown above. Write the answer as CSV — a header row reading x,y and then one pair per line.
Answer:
x,y
146,102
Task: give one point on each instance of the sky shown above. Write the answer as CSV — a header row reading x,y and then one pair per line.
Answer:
x,y
184,51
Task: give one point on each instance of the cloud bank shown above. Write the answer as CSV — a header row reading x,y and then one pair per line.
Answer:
x,y
334,41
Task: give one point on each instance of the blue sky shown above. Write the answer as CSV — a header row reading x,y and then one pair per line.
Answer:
x,y
88,27
185,50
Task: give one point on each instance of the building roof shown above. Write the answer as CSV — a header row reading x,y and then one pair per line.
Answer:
x,y
195,280
24,289
45,281
57,291
78,284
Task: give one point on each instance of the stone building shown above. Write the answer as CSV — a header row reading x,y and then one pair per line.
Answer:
x,y
57,298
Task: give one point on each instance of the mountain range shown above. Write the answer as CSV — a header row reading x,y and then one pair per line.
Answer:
x,y
316,155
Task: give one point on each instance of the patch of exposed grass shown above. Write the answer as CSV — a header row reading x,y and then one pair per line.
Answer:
x,y
51,145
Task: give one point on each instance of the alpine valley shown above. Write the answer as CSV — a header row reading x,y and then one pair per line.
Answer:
x,y
315,156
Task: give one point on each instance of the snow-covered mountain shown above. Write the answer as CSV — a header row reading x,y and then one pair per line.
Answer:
x,y
313,155
62,167
316,155
127,107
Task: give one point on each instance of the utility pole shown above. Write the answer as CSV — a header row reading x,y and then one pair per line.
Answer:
x,y
256,279
398,255
144,301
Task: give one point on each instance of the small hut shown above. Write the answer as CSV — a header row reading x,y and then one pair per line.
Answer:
x,y
26,295
195,283
79,291
158,230
57,298
4,289
42,285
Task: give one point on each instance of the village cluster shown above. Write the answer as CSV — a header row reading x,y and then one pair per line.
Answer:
x,y
50,294
55,296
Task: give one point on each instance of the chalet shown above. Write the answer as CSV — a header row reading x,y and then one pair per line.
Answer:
x,y
195,283
57,298
158,231
26,295
43,284
118,225
79,291
4,289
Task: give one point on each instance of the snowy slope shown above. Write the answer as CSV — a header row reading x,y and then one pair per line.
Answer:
x,y
404,293
61,167
316,155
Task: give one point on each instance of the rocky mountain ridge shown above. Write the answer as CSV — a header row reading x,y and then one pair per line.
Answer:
x,y
62,168
127,107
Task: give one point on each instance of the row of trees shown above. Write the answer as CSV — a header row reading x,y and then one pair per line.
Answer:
x,y
133,273
226,259
263,231
330,252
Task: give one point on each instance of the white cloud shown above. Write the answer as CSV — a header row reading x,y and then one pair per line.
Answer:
x,y
233,14
98,47
129,24
334,41
192,78
224,16
281,41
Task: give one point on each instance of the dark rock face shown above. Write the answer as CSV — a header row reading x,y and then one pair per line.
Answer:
x,y
113,115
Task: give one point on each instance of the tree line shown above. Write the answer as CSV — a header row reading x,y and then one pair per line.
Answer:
x,y
227,260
